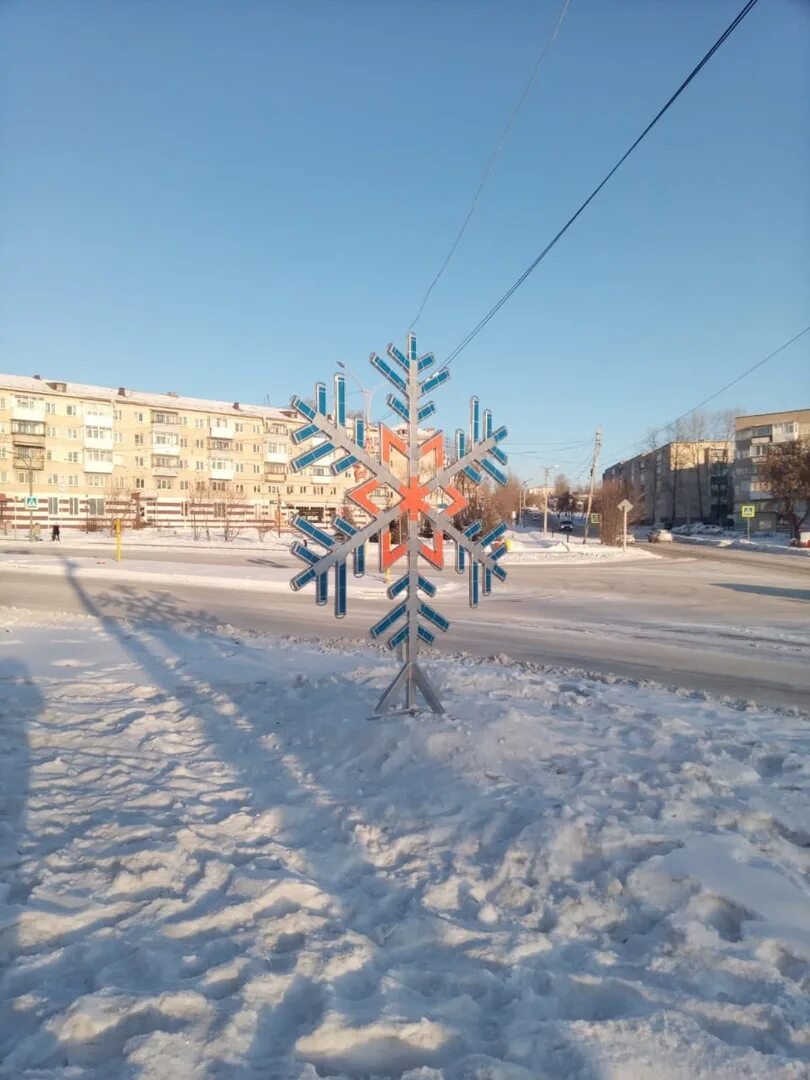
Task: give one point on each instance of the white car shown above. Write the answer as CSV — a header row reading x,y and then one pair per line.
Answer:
x,y
660,536
628,538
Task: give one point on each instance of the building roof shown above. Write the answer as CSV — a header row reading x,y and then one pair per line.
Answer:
x,y
35,385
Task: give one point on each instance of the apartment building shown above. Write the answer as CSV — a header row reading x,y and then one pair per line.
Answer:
x,y
77,454
679,482
753,437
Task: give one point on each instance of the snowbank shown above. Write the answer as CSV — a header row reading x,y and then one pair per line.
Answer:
x,y
776,545
529,546
214,864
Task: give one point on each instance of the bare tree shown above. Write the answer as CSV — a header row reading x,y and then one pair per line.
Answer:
x,y
786,470
652,443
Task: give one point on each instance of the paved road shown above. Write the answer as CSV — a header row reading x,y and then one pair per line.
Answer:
x,y
730,622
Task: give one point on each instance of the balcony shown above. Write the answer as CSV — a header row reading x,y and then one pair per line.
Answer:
x,y
26,457
93,419
164,470
172,449
97,466
222,431
165,419
99,439
222,472
277,457
37,414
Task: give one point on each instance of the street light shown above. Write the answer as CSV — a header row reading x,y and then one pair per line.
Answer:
x,y
546,470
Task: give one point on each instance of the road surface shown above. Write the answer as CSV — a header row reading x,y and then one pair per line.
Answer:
x,y
732,623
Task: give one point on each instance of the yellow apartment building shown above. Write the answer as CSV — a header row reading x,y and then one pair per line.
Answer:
x,y
80,455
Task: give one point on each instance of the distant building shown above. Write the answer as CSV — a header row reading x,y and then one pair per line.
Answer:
x,y
90,453
753,436
679,482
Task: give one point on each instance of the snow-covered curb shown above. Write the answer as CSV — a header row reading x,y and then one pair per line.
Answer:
x,y
742,545
214,864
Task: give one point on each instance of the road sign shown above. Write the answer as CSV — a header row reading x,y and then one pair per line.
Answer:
x,y
596,519
748,511
625,506
31,502
412,499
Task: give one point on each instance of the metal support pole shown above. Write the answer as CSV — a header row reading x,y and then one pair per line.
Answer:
x,y
624,532
30,506
546,471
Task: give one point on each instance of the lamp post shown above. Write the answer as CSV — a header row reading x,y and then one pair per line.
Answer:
x,y
364,390
546,470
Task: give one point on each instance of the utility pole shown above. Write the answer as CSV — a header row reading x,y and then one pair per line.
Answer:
x,y
546,470
30,505
597,443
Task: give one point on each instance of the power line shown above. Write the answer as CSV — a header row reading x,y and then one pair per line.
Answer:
x,y
533,265
491,161
739,378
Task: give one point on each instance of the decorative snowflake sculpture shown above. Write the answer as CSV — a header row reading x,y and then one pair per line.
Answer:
x,y
413,497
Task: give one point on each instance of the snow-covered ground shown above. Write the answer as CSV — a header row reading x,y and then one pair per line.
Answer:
x,y
214,864
529,545
161,539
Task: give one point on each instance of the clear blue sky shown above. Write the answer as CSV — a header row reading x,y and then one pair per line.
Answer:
x,y
225,198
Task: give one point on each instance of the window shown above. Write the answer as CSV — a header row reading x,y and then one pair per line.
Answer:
x,y
257,448
50,432
139,462
73,480
50,407
91,431
257,488
302,490
290,489
220,463
53,479
139,417
2,471
184,442
27,427
140,482
22,477
257,468
256,429
219,509
96,480
70,410
2,403
53,505
95,409
199,444
276,467
184,487
117,414
118,436
118,482
240,488
73,506
240,467
164,483
25,401
218,485
73,433
165,438
239,427
319,470
95,508
139,440
220,444
220,423
49,455
159,461
159,417
98,455
277,429
273,489
199,465
238,447
333,491
199,422
73,457
182,463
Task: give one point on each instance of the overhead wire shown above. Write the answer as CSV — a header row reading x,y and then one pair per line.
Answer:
x,y
479,326
491,160
748,371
